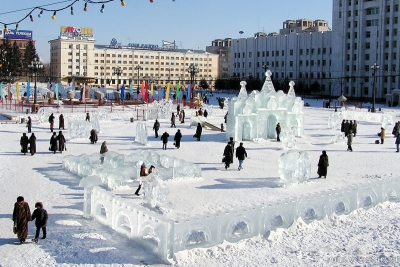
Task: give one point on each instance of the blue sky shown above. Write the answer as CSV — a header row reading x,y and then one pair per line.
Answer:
x,y
192,24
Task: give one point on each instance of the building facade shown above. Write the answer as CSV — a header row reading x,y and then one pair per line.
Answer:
x,y
223,49
78,55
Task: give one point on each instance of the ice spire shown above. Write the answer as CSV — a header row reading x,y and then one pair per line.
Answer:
x,y
243,91
268,86
291,92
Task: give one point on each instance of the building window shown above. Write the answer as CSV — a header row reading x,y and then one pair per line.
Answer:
x,y
366,56
367,45
291,52
367,34
372,11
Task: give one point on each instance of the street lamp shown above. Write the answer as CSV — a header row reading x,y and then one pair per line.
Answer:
x,y
35,66
374,68
138,68
117,71
193,70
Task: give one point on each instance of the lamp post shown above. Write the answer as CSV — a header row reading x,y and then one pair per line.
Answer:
x,y
138,68
35,66
193,70
374,68
117,71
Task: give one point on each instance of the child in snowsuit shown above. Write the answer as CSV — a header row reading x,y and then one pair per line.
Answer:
x,y
40,214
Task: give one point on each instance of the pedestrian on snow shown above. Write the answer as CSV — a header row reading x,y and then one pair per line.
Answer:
x,y
350,141
199,129
346,128
53,143
29,124
351,126
103,150
205,114
178,109
21,217
222,127
382,134
173,120
177,139
61,142
183,116
40,214
394,131
32,144
226,116
200,112
228,155
87,117
156,127
241,155
354,128
342,126
278,131
232,146
93,136
61,122
323,164
180,116
24,143
51,121
143,173
164,138
397,135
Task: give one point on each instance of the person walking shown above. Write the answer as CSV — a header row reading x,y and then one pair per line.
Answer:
x,y
323,164
41,216
183,116
354,128
394,131
178,109
143,173
278,131
93,136
32,144
241,154
87,117
21,217
232,146
397,136
177,139
156,127
382,135
350,141
61,122
199,129
53,143
205,113
173,120
103,150
228,155
342,126
346,128
61,141
24,143
29,124
51,121
164,138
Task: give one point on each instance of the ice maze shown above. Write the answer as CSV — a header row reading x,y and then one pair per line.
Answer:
x,y
164,237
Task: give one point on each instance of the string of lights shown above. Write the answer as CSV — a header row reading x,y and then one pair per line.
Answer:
x,y
44,8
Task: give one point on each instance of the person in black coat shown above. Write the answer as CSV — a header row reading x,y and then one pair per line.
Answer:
x,y
183,116
164,138
61,122
323,164
32,144
93,136
156,127
40,214
199,129
24,143
173,120
51,121
228,155
278,132
177,139
241,155
205,114
232,146
53,143
87,117
61,141
29,124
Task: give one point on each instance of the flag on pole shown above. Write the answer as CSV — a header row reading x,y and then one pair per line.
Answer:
x,y
188,92
167,92
152,89
56,91
123,92
17,91
142,89
1,90
191,91
28,91
177,92
146,93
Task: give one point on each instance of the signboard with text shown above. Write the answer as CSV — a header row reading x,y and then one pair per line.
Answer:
x,y
71,31
20,34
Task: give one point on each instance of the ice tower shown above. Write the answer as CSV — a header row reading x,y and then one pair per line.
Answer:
x,y
256,115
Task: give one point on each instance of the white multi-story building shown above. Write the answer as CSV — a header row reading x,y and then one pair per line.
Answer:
x,y
74,53
364,32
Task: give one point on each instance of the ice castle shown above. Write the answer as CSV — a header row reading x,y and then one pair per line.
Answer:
x,y
256,115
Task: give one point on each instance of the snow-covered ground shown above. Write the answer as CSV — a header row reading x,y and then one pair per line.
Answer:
x,y
363,238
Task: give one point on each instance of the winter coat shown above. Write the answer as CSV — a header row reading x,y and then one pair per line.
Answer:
x,y
164,137
93,136
32,144
342,127
53,143
88,117
199,129
156,125
346,127
354,128
394,132
183,116
383,133
21,217
397,139
228,153
232,143
205,114
103,148
178,109
51,119
24,143
143,171
41,217
177,139
173,118
61,122
323,164
349,139
278,128
61,142
241,153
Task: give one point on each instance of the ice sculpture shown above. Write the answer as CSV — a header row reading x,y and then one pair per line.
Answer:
x,y
141,133
288,137
256,115
88,183
154,188
160,109
80,128
338,138
294,167
336,118
197,119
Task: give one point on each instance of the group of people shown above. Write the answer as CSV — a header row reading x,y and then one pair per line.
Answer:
x,y
57,142
229,150
28,144
22,215
350,130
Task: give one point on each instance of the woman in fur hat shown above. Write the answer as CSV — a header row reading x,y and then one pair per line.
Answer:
x,y
21,217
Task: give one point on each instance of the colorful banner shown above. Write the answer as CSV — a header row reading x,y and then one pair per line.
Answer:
x,y
191,91
152,89
146,94
177,92
142,89
56,91
188,92
28,91
123,92
17,91
167,92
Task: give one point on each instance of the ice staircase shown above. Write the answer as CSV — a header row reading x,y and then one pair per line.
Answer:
x,y
212,127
